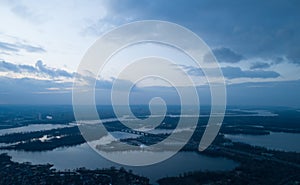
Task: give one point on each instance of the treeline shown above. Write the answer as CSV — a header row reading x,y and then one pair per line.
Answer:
x,y
18,137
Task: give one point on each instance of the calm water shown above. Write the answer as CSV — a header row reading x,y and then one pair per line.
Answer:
x,y
32,128
276,140
84,156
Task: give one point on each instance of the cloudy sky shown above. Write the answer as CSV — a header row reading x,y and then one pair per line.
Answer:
x,y
256,43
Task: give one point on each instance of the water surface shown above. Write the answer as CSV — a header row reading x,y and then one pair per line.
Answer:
x,y
84,156
275,140
32,128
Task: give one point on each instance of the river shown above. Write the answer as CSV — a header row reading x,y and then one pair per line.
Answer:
x,y
288,142
83,156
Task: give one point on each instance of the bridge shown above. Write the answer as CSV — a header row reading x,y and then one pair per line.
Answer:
x,y
141,133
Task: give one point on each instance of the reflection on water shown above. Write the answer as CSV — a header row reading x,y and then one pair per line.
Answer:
x,y
84,156
32,128
276,140
249,113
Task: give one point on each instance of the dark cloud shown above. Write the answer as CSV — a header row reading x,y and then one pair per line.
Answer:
x,y
6,66
294,55
39,68
51,71
285,93
227,55
235,72
277,60
17,47
33,91
27,68
8,47
13,91
103,84
193,70
260,65
253,28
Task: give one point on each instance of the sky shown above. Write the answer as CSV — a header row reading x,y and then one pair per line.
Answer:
x,y
255,42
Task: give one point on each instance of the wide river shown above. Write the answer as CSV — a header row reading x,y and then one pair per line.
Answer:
x,y
84,156
275,140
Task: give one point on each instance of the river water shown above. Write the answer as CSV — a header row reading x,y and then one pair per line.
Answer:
x,y
84,156
275,140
